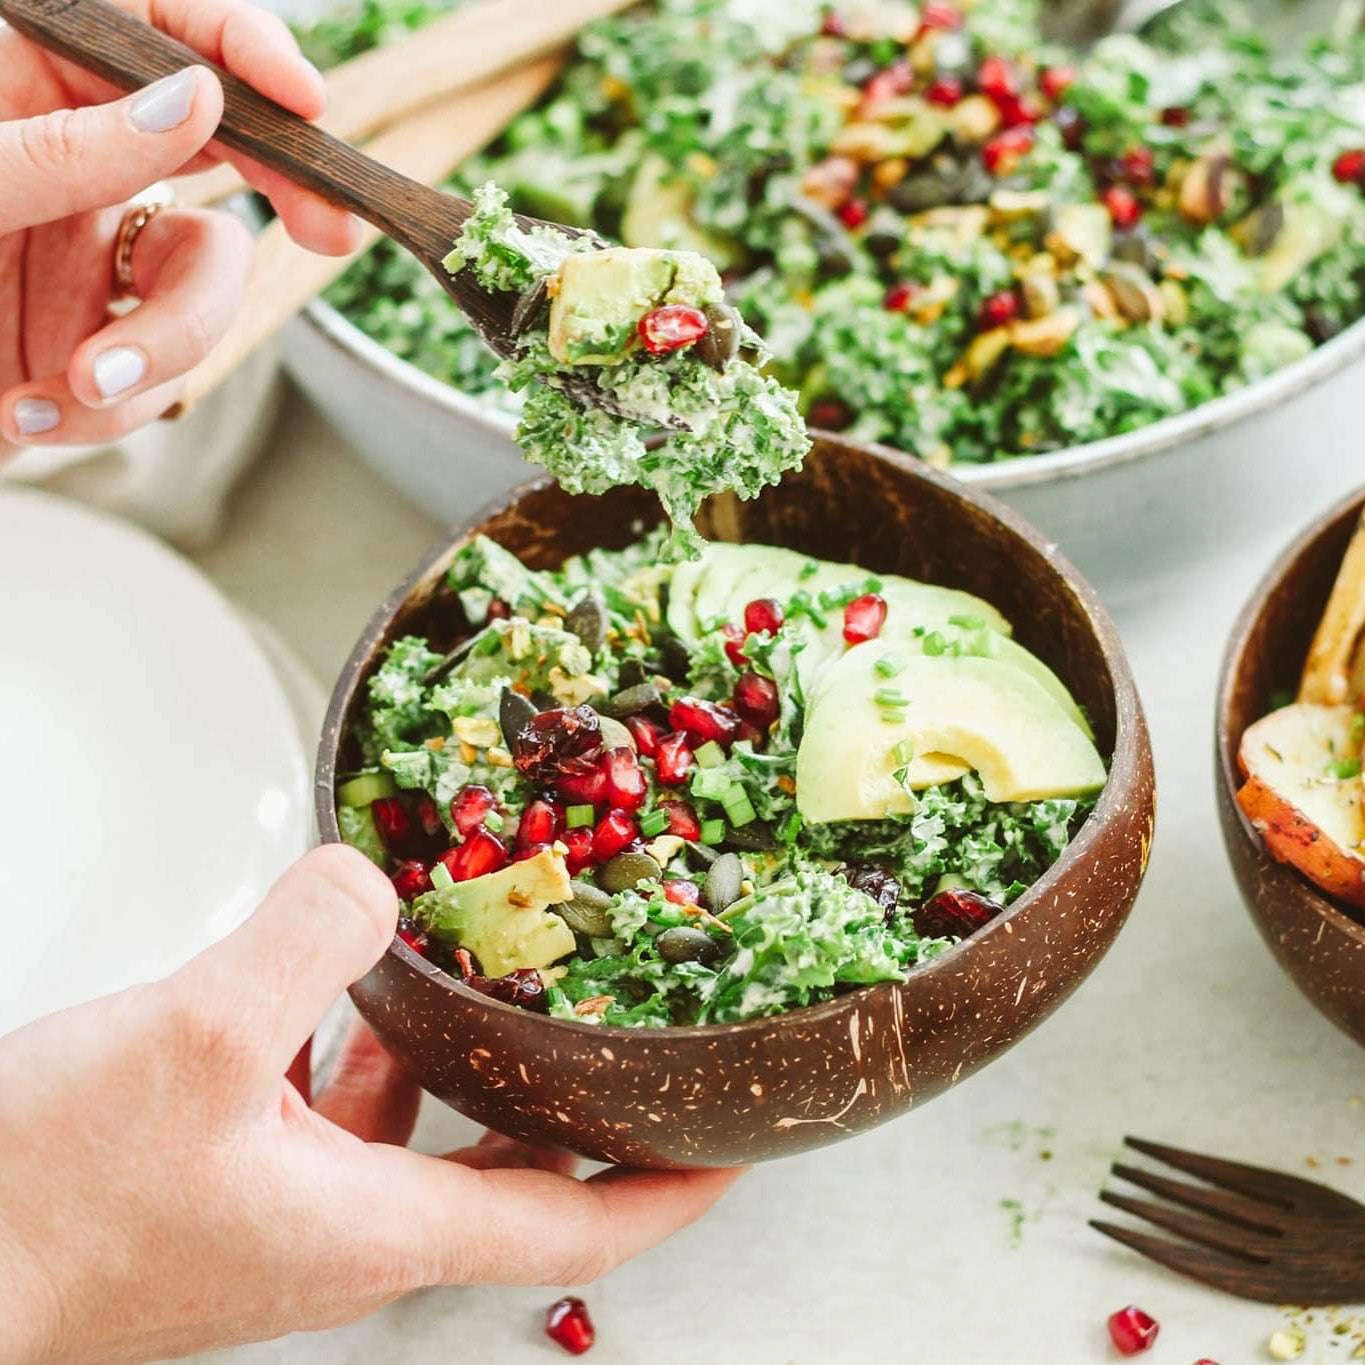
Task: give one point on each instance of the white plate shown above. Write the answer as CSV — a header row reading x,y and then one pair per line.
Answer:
x,y
156,780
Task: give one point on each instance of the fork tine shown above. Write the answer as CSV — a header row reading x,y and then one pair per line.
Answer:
x,y
1232,1208
1287,1191
1246,1280
1207,1232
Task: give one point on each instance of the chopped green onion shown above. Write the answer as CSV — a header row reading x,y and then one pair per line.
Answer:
x,y
712,831
578,817
967,622
870,584
810,568
801,605
440,876
889,665
493,822
893,715
653,822
367,787
710,784
890,696
934,643
491,644
709,755
739,809
790,828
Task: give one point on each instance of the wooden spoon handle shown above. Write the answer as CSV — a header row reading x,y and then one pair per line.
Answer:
x,y
130,54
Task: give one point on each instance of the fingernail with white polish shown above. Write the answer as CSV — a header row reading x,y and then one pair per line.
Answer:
x,y
33,416
165,105
117,370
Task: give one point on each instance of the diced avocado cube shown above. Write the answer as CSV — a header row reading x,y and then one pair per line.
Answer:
x,y
602,295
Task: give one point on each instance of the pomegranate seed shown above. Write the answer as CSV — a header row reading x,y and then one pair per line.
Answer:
x,y
393,822
1002,152
1349,167
538,825
939,16
524,988
757,699
568,1323
681,892
1138,166
954,914
763,614
579,843
682,820
751,732
832,414
702,721
553,742
498,610
1071,126
1017,112
672,327
735,637
999,310
864,618
1123,206
946,90
832,26
479,855
645,734
887,84
615,831
470,808
1175,116
899,297
996,79
853,214
412,936
525,851
429,817
674,760
585,787
1056,80
411,879
625,782
1132,1331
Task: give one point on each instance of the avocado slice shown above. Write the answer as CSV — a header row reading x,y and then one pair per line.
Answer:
x,y
977,712
502,917
357,827
658,213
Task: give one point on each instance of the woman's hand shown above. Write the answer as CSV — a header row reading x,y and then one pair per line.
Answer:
x,y
164,1189
69,161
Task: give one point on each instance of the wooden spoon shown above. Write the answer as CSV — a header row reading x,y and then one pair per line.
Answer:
x,y
423,221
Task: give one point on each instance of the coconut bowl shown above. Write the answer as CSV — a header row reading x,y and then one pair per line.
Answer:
x,y
771,1087
1313,938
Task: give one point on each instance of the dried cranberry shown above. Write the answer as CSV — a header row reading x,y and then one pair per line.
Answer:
x,y
674,760
1349,167
830,414
936,15
524,988
735,637
1071,126
864,618
479,855
682,820
470,808
1138,166
625,782
900,296
552,742
645,734
702,721
681,891
428,816
1175,116
1002,152
757,699
393,822
997,79
579,843
877,883
1123,206
955,914
945,91
763,614
671,327
411,879
615,831
567,1323
538,825
887,84
413,936
1056,80
585,786
1132,1331
853,214
999,310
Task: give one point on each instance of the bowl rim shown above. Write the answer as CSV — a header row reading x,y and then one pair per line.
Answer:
x,y
1128,763
1270,868
1156,438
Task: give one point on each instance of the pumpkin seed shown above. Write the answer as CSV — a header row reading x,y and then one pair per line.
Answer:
x,y
632,673
722,886
587,619
719,343
683,943
626,871
586,911
615,735
529,304
700,855
632,701
755,837
515,713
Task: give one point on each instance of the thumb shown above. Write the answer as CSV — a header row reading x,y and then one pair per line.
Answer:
x,y
72,160
322,926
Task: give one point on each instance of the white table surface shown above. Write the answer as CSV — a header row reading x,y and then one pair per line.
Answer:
x,y
899,1246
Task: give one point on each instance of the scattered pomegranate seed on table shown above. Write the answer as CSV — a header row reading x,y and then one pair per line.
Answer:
x,y
567,1323
626,786
999,309
757,699
1056,81
1123,206
672,327
853,214
674,760
615,832
480,854
1132,1331
470,808
763,614
1349,167
411,879
864,618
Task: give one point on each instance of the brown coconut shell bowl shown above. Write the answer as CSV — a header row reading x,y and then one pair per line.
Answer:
x,y
1317,942
737,1093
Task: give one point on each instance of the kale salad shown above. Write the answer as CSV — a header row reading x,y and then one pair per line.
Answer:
x,y
648,793
950,236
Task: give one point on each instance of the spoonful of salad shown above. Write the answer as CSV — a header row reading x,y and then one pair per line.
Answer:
x,y
621,342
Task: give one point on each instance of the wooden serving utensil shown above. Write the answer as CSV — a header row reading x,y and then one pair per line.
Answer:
x,y
469,48
422,220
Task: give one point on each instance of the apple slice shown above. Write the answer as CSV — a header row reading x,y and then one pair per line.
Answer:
x,y
1328,671
1307,813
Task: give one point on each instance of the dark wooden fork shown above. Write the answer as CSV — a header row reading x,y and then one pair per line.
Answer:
x,y
1259,1234
424,221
